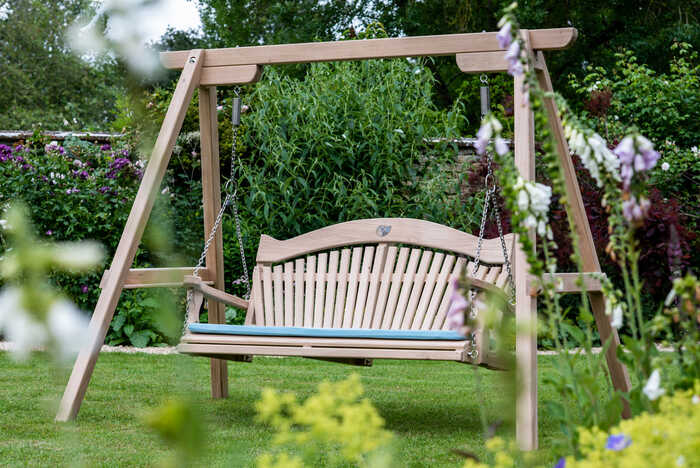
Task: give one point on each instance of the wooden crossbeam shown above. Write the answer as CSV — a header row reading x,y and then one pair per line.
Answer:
x,y
568,283
418,46
157,277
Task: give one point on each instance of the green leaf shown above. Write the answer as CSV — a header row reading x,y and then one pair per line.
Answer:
x,y
128,330
140,338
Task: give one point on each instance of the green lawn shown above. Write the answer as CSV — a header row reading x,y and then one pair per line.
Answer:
x,y
431,407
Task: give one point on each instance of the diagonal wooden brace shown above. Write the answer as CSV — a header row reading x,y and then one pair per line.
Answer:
x,y
131,237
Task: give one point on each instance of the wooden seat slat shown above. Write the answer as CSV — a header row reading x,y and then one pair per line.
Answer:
x,y
440,322
353,278
427,292
418,285
406,288
320,289
363,287
386,275
289,294
372,293
309,291
342,288
278,294
440,285
299,292
396,282
256,302
267,293
330,289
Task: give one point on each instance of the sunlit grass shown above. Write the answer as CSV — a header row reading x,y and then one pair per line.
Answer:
x,y
431,407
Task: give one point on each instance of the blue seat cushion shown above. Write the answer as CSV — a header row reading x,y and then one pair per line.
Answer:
x,y
251,330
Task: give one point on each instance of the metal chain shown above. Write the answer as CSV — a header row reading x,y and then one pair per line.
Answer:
x,y
233,179
497,212
231,191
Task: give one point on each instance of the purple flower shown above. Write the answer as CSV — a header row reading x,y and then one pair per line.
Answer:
x,y
125,152
634,211
617,442
515,67
27,167
458,304
482,138
103,189
72,190
44,178
19,159
49,232
106,147
636,154
504,36
84,289
561,463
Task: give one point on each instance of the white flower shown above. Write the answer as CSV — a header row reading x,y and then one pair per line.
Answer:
x,y
67,327
219,108
695,399
165,191
3,224
76,256
680,461
616,321
18,325
665,166
501,146
653,389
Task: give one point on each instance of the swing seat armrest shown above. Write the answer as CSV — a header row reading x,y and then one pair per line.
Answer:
x,y
209,292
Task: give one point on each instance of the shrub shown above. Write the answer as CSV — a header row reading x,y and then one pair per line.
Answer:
x,y
83,191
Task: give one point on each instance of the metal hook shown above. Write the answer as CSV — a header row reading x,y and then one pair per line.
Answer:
x,y
484,78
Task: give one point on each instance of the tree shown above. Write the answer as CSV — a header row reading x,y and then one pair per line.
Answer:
x,y
42,81
230,23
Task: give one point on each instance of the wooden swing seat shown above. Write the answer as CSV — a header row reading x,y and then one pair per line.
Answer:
x,y
365,289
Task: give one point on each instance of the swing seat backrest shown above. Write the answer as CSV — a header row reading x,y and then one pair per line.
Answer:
x,y
385,273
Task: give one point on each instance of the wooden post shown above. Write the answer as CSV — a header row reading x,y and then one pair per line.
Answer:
x,y
589,257
131,237
211,198
525,304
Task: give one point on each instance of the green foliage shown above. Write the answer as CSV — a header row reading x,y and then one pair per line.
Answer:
x,y
664,106
82,191
348,142
42,81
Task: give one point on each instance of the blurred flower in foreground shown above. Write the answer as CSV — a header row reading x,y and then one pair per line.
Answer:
x,y
32,313
653,389
124,35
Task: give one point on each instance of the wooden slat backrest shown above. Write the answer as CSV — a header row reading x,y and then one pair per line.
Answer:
x,y
370,284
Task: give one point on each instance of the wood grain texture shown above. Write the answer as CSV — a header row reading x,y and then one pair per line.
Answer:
x,y
230,75
449,44
131,236
157,277
526,305
367,231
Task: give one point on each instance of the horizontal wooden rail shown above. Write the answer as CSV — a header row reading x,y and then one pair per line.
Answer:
x,y
449,44
569,282
235,74
158,277
485,62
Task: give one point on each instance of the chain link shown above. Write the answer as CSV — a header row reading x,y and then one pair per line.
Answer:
x,y
231,191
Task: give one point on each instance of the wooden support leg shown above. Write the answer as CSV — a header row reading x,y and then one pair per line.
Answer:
x,y
525,304
618,372
131,237
211,194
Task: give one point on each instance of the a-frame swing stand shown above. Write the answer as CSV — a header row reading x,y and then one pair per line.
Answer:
x,y
206,69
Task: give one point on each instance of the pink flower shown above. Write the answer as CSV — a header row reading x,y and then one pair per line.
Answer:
x,y
504,36
458,305
634,211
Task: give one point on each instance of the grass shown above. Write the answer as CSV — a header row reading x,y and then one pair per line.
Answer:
x,y
431,407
